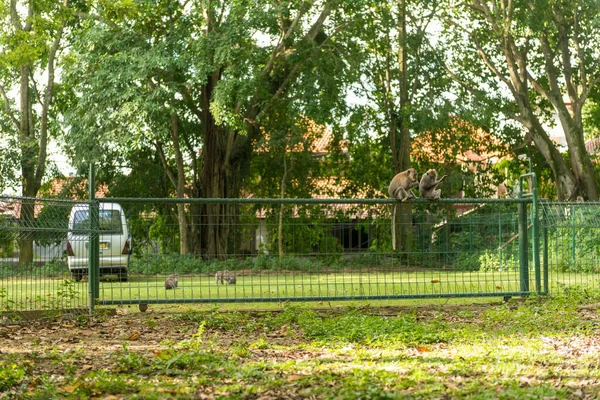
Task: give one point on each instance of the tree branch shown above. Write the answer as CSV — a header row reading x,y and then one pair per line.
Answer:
x,y
41,165
163,159
7,107
281,44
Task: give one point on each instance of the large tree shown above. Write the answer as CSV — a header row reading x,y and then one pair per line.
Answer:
x,y
31,33
542,56
196,80
403,90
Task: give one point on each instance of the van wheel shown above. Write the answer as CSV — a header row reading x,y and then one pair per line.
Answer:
x,y
77,276
123,275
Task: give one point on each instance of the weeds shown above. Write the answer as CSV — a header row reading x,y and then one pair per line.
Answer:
x,y
533,348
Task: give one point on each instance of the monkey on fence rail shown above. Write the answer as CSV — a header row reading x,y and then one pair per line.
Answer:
x,y
402,185
225,276
428,184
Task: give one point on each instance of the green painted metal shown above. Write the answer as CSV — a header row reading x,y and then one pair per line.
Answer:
x,y
488,251
126,200
523,254
535,221
309,299
93,243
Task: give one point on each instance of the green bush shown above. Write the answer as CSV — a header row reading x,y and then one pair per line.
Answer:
x,y
490,261
466,262
50,268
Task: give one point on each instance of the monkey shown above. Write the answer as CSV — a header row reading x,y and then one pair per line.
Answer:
x,y
402,184
427,186
226,276
171,282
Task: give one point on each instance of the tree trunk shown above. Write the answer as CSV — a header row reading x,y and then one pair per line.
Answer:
x,y
32,144
566,184
181,214
215,181
581,163
402,215
281,207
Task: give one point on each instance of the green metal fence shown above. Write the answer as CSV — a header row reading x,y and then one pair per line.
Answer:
x,y
259,250
33,273
156,251
570,243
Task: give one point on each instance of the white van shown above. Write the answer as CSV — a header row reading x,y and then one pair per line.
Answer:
x,y
115,241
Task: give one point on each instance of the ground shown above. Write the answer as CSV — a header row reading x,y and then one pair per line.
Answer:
x,y
532,349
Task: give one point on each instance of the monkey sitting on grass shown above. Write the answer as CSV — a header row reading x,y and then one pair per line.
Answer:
x,y
171,282
225,276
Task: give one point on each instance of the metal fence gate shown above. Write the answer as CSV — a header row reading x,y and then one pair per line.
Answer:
x,y
156,251
266,250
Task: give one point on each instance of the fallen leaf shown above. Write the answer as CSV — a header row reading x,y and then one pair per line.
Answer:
x,y
70,388
499,287
435,281
134,336
165,390
422,349
295,377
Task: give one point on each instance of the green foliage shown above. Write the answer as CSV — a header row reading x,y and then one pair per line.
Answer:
x,y
164,231
53,221
572,238
498,261
355,327
466,262
11,375
55,268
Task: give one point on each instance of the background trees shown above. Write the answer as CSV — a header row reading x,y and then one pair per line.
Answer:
x,y
193,91
198,82
541,57
31,40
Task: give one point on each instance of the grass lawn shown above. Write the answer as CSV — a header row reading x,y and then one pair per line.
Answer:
x,y
25,293
22,293
535,348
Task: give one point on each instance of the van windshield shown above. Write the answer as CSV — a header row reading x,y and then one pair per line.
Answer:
x,y
109,221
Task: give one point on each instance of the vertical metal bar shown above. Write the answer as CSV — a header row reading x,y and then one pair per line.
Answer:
x,y
536,234
93,243
545,254
470,233
523,256
572,238
500,240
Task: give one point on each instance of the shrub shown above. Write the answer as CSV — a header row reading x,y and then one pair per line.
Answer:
x,y
466,262
490,261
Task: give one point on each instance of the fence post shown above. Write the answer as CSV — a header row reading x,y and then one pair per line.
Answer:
x,y
535,220
545,254
93,243
523,254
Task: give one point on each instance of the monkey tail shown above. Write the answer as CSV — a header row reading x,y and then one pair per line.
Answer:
x,y
393,227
